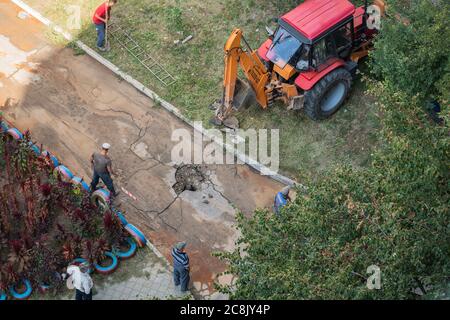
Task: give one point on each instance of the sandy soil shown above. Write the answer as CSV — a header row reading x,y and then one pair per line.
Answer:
x,y
72,104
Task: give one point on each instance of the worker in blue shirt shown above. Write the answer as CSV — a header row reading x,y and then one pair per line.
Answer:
x,y
281,199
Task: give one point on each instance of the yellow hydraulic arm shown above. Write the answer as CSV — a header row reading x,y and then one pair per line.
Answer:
x,y
254,70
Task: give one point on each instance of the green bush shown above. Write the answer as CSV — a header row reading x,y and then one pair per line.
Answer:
x,y
412,51
393,215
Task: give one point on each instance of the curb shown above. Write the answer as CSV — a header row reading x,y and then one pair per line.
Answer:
x,y
152,95
156,251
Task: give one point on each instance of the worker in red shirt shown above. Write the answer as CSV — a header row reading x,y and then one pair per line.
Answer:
x,y
100,19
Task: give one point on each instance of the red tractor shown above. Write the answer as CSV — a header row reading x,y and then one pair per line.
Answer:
x,y
307,63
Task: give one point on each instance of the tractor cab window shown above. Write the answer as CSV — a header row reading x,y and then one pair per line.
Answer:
x,y
323,51
302,63
283,48
343,40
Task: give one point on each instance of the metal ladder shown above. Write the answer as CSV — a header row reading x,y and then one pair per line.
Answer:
x,y
144,57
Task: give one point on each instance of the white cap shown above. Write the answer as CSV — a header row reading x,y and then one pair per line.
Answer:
x,y
106,146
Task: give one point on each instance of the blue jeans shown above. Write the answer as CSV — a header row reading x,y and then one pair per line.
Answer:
x,y
106,178
181,276
100,34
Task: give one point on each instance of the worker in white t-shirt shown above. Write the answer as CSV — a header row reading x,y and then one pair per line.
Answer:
x,y
81,280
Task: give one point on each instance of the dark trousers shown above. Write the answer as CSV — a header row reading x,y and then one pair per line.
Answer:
x,y
181,276
100,34
106,178
79,296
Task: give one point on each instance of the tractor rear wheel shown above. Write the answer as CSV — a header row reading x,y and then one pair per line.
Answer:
x,y
326,97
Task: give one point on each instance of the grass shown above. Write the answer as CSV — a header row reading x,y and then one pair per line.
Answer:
x,y
305,147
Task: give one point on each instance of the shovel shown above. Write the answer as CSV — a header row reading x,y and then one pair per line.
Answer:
x,y
107,45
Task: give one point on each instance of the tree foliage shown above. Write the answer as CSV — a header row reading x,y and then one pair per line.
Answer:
x,y
412,50
393,214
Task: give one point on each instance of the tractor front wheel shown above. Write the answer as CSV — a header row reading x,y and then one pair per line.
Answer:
x,y
327,96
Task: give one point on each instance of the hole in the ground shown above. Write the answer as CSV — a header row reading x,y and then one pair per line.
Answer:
x,y
188,177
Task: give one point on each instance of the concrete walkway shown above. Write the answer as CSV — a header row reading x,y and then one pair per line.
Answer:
x,y
144,277
72,104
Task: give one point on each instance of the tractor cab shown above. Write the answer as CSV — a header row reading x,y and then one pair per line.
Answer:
x,y
312,37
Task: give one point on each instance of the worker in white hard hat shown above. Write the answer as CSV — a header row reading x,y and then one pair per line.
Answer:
x,y
102,167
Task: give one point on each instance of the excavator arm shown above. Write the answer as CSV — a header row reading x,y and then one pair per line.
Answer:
x,y
236,93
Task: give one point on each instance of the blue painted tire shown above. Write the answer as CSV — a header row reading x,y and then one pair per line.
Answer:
x,y
55,161
137,235
3,296
43,288
101,198
35,148
123,255
78,261
4,126
121,217
64,172
21,296
109,269
15,133
79,181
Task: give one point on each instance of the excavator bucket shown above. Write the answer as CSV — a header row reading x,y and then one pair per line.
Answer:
x,y
244,95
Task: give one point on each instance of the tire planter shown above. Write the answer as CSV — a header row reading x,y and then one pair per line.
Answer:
x,y
55,161
124,255
4,126
43,288
21,296
78,261
3,296
108,269
64,172
52,158
101,198
35,149
137,235
15,133
121,217
82,183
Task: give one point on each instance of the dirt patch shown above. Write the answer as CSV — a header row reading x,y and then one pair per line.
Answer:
x,y
188,177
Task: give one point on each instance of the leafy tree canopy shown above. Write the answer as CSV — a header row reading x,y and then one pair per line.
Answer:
x,y
412,51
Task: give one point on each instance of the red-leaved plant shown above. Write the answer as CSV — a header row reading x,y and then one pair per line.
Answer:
x,y
44,224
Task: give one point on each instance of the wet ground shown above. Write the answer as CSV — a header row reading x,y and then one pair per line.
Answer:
x,y
72,104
